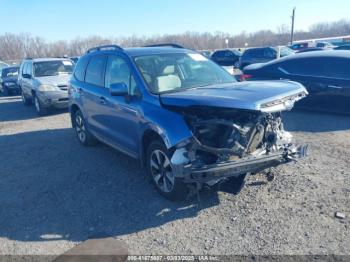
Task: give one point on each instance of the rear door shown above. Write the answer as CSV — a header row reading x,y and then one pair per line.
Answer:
x,y
338,85
92,94
312,73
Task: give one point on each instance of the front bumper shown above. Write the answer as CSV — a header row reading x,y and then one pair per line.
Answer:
x,y
13,87
251,164
56,99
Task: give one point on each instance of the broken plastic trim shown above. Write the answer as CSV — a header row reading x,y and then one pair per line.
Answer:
x,y
286,103
250,164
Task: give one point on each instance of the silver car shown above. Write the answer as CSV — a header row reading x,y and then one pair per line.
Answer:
x,y
44,81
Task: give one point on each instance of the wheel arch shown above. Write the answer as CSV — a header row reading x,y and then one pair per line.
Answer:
x,y
72,110
148,136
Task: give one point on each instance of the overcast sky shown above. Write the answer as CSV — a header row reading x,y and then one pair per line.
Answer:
x,y
66,19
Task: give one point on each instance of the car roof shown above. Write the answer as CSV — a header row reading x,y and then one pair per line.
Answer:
x,y
322,53
227,50
262,47
313,54
141,51
11,67
47,59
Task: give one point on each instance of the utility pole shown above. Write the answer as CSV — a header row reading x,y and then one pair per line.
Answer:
x,y
292,32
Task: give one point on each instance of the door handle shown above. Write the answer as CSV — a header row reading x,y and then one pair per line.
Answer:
x,y
103,100
80,90
336,87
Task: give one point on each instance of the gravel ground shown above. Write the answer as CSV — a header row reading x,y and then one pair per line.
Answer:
x,y
54,194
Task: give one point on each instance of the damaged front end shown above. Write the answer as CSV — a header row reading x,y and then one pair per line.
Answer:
x,y
230,142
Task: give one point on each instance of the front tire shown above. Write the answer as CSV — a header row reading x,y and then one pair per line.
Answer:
x,y
159,169
26,101
83,134
39,108
6,92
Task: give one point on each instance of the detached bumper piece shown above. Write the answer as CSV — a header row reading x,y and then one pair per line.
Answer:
x,y
250,164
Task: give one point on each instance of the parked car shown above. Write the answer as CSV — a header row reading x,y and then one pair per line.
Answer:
x,y
74,59
185,118
263,54
325,45
45,82
226,57
310,49
8,80
301,46
206,53
342,47
2,65
325,74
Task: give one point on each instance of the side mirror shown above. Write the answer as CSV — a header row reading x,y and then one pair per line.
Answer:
x,y
118,89
27,76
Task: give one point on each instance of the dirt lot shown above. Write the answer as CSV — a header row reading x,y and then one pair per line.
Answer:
x,y
54,193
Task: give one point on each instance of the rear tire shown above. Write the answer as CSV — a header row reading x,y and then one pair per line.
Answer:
x,y
159,169
83,134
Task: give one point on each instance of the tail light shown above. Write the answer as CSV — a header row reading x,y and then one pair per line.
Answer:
x,y
244,77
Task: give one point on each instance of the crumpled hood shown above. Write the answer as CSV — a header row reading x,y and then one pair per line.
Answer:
x,y
266,96
54,80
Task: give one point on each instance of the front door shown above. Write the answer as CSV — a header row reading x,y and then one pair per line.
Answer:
x,y
122,112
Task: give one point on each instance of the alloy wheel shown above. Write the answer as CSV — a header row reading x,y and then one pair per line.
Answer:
x,y
37,105
80,128
161,171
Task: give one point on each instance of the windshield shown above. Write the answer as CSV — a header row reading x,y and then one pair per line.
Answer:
x,y
10,72
176,72
53,68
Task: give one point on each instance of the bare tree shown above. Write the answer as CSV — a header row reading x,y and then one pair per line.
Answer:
x,y
19,46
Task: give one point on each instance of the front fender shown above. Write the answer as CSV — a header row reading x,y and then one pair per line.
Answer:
x,y
169,125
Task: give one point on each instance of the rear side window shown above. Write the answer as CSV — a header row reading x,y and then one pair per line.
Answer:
x,y
305,67
254,53
269,53
223,54
95,70
338,68
80,68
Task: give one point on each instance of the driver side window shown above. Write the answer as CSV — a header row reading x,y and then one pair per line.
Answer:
x,y
118,71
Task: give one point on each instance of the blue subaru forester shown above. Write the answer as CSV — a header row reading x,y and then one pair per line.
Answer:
x,y
184,117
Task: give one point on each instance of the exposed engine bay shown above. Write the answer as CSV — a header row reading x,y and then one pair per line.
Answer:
x,y
227,134
231,142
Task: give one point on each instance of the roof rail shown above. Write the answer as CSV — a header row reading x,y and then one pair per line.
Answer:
x,y
166,45
98,48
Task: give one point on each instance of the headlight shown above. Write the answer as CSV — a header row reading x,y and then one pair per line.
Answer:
x,y
45,88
